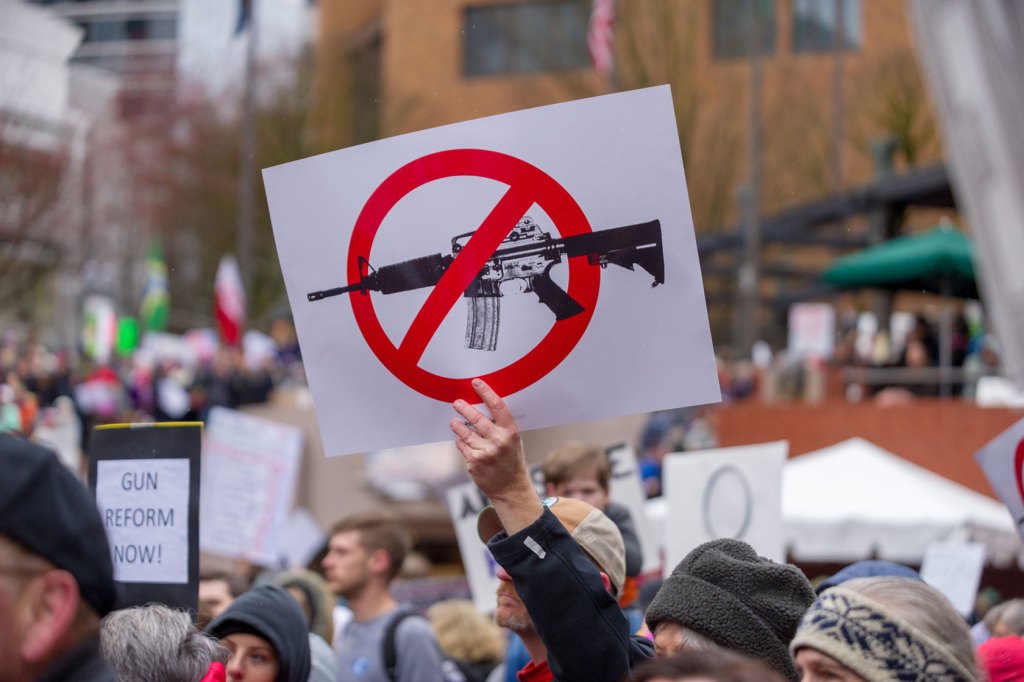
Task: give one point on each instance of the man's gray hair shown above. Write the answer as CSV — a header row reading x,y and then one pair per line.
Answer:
x,y
155,643
1011,616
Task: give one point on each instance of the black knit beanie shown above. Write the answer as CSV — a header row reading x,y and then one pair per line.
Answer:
x,y
741,601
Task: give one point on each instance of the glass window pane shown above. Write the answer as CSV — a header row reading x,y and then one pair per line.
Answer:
x,y
814,24
526,37
733,25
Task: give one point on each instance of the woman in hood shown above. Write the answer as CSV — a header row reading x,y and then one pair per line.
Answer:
x,y
265,630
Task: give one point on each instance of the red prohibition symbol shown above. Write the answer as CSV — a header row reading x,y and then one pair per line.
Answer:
x,y
527,185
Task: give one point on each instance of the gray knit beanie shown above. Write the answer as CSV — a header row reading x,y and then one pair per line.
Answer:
x,y
741,601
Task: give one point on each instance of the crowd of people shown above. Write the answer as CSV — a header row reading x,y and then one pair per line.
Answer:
x,y
46,396
567,607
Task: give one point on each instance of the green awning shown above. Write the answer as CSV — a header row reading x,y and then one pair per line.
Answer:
x,y
940,260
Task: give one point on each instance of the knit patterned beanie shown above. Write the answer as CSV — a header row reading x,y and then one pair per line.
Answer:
x,y
863,636
741,601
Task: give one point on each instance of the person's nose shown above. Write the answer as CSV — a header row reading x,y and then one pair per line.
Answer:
x,y
503,575
234,667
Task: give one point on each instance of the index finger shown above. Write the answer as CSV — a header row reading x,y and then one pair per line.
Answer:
x,y
500,413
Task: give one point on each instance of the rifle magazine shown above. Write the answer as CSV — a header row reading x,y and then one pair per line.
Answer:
x,y
482,322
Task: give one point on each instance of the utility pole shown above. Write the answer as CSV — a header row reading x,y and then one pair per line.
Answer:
x,y
247,171
748,284
838,47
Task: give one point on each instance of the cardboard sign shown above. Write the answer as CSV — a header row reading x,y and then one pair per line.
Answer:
x,y
725,493
146,482
954,568
519,248
1002,460
250,467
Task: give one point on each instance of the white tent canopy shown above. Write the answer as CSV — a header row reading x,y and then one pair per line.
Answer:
x,y
854,500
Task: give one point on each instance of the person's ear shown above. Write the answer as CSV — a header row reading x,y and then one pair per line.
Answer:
x,y
51,602
380,561
607,581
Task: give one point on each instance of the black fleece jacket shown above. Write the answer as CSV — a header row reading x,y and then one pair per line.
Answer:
x,y
585,632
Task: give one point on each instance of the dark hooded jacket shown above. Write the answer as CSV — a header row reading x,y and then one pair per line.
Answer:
x,y
271,613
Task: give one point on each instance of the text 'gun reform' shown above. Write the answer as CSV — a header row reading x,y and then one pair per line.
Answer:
x,y
528,254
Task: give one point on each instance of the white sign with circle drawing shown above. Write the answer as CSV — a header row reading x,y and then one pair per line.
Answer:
x,y
725,493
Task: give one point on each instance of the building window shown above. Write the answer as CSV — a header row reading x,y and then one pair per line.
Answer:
x,y
815,23
108,30
734,26
526,37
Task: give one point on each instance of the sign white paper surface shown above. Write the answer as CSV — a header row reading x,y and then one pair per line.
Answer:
x,y
812,330
627,489
1002,460
464,504
725,493
954,568
418,199
303,538
250,466
144,503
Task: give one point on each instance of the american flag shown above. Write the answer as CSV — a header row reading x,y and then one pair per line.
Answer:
x,y
599,35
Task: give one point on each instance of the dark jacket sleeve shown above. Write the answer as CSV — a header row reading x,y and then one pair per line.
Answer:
x,y
620,515
584,630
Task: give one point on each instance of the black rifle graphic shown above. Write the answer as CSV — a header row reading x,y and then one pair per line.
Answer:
x,y
527,253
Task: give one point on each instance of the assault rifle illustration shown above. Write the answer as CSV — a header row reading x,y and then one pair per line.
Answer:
x,y
527,253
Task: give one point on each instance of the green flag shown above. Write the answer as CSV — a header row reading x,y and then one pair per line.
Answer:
x,y
127,336
156,300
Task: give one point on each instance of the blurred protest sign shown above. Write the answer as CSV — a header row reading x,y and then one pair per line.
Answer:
x,y
954,568
812,330
250,466
464,503
971,51
725,493
1002,460
146,481
397,254
627,489
302,538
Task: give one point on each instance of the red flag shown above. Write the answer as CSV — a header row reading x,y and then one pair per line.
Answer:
x,y
229,300
599,35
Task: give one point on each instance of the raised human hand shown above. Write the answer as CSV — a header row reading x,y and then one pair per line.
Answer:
x,y
494,457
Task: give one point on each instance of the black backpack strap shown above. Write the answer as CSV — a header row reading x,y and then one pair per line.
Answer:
x,y
388,644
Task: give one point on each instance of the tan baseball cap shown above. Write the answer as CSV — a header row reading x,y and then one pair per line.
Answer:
x,y
595,533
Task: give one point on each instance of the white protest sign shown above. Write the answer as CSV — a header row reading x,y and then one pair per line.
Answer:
x,y
627,489
1002,460
144,504
954,568
812,330
725,493
521,248
464,504
303,538
250,467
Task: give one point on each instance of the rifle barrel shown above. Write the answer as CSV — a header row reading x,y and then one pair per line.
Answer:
x,y
336,291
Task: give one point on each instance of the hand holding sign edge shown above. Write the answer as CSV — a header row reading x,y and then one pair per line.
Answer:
x,y
494,458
